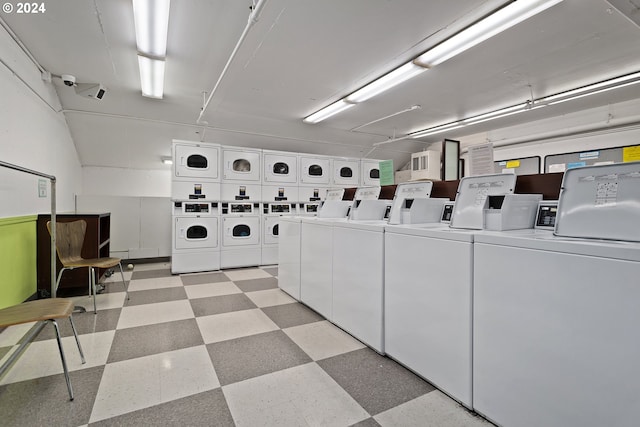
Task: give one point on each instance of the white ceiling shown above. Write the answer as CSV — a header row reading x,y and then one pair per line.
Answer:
x,y
302,55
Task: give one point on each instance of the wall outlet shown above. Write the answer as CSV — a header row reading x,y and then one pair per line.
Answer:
x,y
42,188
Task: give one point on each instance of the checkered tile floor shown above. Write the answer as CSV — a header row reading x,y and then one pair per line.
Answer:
x,y
213,349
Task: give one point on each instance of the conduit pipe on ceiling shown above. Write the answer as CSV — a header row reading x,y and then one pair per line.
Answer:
x,y
253,18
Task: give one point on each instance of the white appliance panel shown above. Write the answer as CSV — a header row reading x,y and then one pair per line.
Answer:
x,y
240,231
283,192
196,232
193,160
345,172
195,190
289,256
358,260
241,164
271,229
314,170
240,191
280,167
370,172
428,297
555,334
316,264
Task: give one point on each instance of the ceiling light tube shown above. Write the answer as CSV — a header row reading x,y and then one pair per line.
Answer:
x,y
152,24
386,82
151,76
510,15
593,89
328,111
436,129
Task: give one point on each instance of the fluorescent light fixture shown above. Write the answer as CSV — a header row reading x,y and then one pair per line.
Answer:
x,y
510,15
593,89
437,129
386,82
167,160
151,76
152,23
328,111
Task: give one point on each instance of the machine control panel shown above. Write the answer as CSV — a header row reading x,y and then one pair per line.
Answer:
x,y
240,208
312,208
279,208
546,216
196,207
447,211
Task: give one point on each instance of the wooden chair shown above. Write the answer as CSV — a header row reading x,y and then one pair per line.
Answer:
x,y
69,241
47,310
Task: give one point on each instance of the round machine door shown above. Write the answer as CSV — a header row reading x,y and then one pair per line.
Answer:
x,y
314,170
241,231
346,172
193,233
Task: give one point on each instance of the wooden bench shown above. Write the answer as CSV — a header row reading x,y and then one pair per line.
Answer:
x,y
43,310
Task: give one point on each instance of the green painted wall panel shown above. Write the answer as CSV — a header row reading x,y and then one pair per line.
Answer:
x,y
18,271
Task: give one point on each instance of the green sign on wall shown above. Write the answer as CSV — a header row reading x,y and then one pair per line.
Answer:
x,y
386,172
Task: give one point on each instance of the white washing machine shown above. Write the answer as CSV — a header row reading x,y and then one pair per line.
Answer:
x,y
429,290
195,231
314,170
369,172
279,167
241,164
358,265
240,232
195,171
272,214
345,172
556,316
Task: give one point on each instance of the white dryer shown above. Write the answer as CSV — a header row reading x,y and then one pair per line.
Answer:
x,y
240,232
370,172
345,172
241,164
314,170
241,191
195,171
279,167
272,214
195,231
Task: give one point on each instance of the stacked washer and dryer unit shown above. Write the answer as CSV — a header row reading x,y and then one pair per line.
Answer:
x,y
195,195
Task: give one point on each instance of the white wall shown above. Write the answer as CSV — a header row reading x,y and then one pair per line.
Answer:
x,y
101,181
34,135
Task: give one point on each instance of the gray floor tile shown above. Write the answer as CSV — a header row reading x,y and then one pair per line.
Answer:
x,y
86,323
375,382
200,279
152,339
151,274
288,315
45,401
242,358
257,284
203,409
271,270
369,422
155,295
221,304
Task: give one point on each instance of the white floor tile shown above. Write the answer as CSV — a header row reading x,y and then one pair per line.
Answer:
x,y
299,396
156,283
42,358
322,339
211,290
150,266
103,301
149,314
246,274
269,297
13,334
433,409
139,383
226,326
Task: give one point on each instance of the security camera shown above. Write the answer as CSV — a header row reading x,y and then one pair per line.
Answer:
x,y
91,90
68,79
